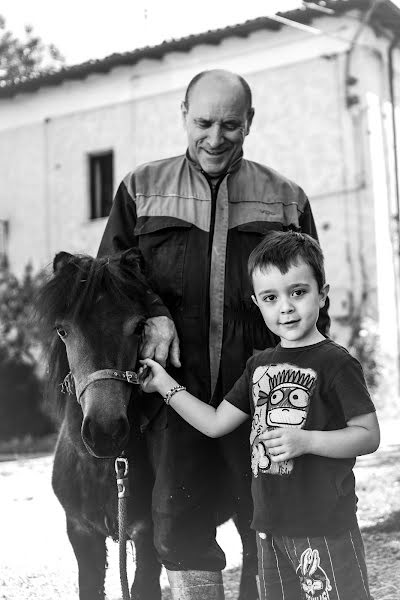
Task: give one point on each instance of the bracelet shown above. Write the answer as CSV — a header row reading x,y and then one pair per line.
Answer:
x,y
171,392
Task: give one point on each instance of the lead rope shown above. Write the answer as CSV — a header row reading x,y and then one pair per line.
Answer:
x,y
121,470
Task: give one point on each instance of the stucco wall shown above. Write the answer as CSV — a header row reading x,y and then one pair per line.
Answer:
x,y
299,130
23,194
302,128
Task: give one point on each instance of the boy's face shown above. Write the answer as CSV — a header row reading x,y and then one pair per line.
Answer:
x,y
290,303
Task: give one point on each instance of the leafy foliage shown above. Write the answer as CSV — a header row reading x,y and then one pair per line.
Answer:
x,y
20,401
18,332
20,384
364,345
21,59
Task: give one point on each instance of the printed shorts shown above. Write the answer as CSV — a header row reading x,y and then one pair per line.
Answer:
x,y
312,568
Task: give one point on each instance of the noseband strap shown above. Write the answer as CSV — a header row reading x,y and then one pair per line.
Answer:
x,y
69,385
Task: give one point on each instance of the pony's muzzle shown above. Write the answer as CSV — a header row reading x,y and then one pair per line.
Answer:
x,y
104,442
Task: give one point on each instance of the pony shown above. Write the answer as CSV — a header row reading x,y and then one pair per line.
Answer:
x,y
91,314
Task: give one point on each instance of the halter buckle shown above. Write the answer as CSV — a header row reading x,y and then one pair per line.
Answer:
x,y
131,377
121,466
121,469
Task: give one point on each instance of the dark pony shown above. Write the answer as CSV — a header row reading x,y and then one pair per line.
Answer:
x,y
91,314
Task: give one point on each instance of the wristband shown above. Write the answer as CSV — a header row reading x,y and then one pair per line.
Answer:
x,y
171,392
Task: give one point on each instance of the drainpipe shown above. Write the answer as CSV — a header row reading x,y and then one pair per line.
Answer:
x,y
394,128
396,217
349,79
46,192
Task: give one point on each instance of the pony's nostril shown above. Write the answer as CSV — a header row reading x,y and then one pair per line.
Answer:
x,y
105,441
87,433
121,429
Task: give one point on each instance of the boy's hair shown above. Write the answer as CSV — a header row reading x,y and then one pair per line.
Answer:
x,y
283,249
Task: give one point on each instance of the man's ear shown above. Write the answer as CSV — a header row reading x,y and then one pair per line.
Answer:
x,y
184,111
249,121
323,294
60,260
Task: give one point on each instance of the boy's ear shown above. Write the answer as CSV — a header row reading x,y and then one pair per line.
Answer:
x,y
323,294
254,299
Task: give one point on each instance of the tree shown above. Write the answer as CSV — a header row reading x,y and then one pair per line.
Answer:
x,y
21,59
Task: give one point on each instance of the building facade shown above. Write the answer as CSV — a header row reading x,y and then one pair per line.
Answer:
x,y
326,88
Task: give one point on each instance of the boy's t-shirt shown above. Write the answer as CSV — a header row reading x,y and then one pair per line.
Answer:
x,y
317,387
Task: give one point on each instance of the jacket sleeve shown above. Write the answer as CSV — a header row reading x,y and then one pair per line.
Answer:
x,y
119,236
307,225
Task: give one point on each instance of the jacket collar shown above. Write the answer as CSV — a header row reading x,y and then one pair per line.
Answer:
x,y
235,166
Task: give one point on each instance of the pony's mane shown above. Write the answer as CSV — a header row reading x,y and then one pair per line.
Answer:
x,y
70,294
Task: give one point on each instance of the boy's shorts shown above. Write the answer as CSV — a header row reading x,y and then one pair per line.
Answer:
x,y
312,568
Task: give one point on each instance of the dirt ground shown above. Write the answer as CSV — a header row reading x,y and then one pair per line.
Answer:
x,y
37,563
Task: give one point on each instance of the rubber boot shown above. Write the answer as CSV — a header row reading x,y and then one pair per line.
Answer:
x,y
196,585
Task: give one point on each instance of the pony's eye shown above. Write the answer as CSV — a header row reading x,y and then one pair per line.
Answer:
x,y
61,331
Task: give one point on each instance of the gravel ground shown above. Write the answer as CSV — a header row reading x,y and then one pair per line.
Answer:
x,y
37,562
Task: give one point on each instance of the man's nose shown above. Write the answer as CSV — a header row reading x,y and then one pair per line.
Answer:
x,y
215,137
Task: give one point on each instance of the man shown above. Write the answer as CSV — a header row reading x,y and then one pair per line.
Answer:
x,y
195,219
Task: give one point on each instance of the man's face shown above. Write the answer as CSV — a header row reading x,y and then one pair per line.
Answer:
x,y
216,121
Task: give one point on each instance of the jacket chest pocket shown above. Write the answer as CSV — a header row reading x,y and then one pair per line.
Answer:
x,y
163,243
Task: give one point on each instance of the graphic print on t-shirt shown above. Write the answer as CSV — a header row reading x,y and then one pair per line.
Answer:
x,y
281,395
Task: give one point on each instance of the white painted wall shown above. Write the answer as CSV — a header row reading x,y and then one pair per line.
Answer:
x,y
302,128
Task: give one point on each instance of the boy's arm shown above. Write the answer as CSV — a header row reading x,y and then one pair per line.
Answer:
x,y
213,422
361,436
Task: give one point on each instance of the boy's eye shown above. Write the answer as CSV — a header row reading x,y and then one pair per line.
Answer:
x,y
298,292
269,298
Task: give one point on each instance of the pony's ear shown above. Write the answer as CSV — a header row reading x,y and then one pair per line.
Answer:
x,y
132,258
60,260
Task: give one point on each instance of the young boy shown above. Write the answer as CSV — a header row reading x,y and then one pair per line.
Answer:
x,y
311,416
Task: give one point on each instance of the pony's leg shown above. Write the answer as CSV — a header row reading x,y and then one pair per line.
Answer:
x,y
90,552
248,582
146,585
235,449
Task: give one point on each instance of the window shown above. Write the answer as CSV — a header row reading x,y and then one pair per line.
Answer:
x,y
101,184
3,242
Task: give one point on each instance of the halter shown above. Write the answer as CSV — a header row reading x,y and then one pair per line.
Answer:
x,y
69,385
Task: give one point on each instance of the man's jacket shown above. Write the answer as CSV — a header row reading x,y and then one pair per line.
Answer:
x,y
195,239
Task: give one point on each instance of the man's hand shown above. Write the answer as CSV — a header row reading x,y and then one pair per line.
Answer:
x,y
160,341
286,442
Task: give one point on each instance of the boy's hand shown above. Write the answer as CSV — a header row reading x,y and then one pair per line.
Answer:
x,y
286,442
156,379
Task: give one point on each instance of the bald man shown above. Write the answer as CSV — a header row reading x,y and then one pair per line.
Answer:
x,y
196,218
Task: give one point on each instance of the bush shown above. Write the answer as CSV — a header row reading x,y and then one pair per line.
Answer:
x,y
364,345
20,385
20,401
